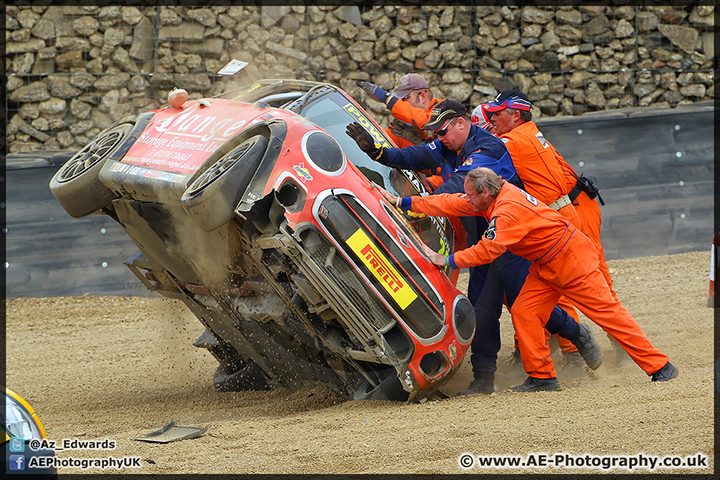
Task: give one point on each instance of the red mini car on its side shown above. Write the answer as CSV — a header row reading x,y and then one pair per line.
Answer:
x,y
256,210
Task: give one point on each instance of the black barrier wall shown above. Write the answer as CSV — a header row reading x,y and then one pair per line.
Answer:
x,y
51,254
654,168
655,171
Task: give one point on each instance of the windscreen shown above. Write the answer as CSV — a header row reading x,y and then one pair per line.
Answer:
x,y
332,111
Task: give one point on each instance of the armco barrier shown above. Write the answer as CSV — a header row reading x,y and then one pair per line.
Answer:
x,y
49,253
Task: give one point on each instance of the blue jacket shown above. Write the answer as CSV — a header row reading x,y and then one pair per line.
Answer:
x,y
482,149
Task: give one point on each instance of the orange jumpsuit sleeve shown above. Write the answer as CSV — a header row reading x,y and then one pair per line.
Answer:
x,y
443,205
402,110
456,204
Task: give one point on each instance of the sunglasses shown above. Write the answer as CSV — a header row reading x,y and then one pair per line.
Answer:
x,y
443,132
406,97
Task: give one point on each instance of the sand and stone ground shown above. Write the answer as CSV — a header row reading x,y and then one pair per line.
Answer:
x,y
119,367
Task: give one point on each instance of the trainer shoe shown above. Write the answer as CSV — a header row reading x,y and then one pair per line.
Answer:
x,y
532,384
479,385
588,347
668,372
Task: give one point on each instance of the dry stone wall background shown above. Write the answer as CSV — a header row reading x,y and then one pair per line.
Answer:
x,y
73,70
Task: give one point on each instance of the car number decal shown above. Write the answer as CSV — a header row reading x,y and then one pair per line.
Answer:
x,y
381,268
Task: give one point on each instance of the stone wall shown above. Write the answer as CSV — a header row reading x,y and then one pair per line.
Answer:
x,y
73,70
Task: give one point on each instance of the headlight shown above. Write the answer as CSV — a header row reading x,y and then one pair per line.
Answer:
x,y
463,319
20,419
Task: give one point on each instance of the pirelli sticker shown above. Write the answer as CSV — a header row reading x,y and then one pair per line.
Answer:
x,y
383,270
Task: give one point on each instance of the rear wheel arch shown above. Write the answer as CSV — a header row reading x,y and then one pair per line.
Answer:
x,y
210,200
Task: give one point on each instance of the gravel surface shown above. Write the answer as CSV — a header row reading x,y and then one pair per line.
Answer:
x,y
119,367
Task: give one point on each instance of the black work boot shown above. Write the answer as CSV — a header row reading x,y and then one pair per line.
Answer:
x,y
587,346
481,384
532,384
668,372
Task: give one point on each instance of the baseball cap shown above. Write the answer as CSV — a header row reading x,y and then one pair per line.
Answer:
x,y
444,111
480,116
509,99
408,83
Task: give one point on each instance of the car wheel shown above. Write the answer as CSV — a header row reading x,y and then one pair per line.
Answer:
x,y
233,377
76,185
389,388
211,199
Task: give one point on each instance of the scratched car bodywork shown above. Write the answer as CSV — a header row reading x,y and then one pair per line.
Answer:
x,y
256,210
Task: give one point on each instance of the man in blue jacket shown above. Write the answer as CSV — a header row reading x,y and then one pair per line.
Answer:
x,y
459,147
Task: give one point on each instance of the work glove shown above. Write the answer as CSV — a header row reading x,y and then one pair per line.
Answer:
x,y
364,140
412,214
373,90
410,132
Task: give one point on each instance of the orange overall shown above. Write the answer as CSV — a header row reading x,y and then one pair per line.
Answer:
x,y
564,262
547,177
402,110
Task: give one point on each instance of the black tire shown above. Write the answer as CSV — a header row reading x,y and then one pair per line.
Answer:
x,y
232,377
211,199
389,388
76,185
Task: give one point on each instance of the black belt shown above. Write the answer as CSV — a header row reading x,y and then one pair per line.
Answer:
x,y
576,191
583,184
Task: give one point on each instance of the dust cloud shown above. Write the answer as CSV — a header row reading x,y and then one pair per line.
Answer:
x,y
113,375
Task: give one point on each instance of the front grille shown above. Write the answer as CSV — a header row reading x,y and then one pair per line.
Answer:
x,y
411,303
375,315
394,250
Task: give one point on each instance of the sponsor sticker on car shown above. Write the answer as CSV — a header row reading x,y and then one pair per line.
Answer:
x,y
381,268
303,172
367,124
181,142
